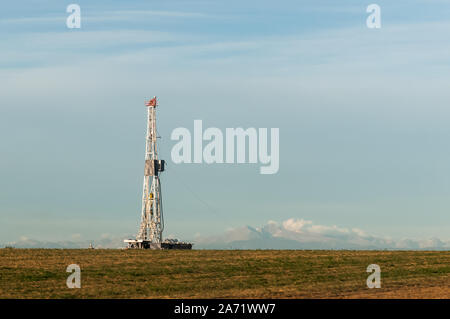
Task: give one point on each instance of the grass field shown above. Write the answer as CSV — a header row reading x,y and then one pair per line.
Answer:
x,y
41,273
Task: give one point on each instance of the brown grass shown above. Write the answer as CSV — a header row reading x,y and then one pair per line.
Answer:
x,y
41,273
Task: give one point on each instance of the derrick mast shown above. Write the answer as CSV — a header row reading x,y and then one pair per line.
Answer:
x,y
152,224
152,221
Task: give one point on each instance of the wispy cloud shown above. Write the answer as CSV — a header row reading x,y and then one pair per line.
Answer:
x,y
32,20
352,49
116,15
143,14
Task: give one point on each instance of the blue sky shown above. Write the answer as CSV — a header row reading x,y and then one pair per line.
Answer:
x,y
363,114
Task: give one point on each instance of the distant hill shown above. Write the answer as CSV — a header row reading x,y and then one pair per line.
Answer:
x,y
290,234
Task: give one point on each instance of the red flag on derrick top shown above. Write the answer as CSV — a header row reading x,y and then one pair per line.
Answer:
x,y
152,102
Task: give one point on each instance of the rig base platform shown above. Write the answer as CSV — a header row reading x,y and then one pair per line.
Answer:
x,y
146,244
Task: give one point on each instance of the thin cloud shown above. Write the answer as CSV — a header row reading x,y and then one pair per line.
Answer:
x,y
133,14
33,20
118,15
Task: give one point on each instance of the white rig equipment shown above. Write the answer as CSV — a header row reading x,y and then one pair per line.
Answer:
x,y
152,221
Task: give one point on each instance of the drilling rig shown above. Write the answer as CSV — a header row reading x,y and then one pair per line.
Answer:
x,y
152,221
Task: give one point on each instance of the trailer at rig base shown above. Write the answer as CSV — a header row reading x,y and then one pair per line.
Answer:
x,y
152,220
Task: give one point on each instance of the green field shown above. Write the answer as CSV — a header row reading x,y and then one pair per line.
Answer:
x,y
41,273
